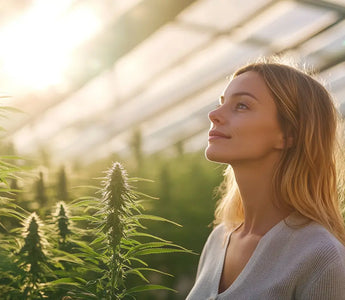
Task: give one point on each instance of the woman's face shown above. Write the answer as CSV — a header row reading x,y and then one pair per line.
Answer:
x,y
244,128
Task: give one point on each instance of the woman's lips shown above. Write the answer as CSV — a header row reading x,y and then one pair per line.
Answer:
x,y
215,134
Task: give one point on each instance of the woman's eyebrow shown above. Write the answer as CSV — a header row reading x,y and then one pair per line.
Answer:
x,y
237,94
245,94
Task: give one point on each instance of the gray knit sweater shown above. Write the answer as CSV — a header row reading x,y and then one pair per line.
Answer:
x,y
288,263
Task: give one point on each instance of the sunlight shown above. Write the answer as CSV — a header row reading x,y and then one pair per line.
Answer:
x,y
36,48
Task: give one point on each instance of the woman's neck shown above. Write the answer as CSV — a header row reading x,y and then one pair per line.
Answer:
x,y
261,210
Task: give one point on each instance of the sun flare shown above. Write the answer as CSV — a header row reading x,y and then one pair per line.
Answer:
x,y
36,48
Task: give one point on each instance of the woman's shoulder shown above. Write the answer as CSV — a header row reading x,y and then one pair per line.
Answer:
x,y
213,248
218,233
315,240
320,259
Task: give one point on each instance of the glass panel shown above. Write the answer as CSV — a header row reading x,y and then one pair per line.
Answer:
x,y
288,22
340,2
327,45
224,13
193,107
156,53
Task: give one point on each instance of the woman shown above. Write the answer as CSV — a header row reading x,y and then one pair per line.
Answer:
x,y
280,233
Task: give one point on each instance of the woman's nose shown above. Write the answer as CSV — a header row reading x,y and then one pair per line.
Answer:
x,y
214,116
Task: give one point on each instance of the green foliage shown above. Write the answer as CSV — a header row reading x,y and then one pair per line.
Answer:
x,y
185,185
93,248
10,273
32,257
101,246
63,222
116,251
10,213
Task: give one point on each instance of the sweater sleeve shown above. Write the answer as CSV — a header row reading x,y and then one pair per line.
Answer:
x,y
328,285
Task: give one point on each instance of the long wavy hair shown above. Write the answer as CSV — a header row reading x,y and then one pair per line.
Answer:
x,y
306,178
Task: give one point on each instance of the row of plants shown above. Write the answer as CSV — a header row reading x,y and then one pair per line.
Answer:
x,y
68,229
90,248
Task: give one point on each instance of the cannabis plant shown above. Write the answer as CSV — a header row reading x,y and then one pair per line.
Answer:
x,y
119,246
32,257
63,222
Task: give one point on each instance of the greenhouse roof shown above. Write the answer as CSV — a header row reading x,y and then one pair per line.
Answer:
x,y
88,74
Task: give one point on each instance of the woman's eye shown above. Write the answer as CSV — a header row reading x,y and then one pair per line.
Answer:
x,y
241,106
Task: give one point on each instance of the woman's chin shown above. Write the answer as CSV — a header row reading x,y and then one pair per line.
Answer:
x,y
214,156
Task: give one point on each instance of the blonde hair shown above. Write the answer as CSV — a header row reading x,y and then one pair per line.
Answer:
x,y
305,178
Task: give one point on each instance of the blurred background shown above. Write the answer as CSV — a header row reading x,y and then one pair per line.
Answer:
x,y
97,81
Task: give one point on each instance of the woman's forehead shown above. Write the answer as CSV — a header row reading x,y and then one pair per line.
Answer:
x,y
248,82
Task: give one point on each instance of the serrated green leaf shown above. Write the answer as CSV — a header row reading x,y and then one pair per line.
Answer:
x,y
85,247
144,195
84,218
69,258
138,260
149,287
142,234
148,269
144,246
97,240
158,250
155,218
60,281
139,179
138,273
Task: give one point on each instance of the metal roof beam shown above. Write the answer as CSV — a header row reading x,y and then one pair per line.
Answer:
x,y
331,62
340,9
